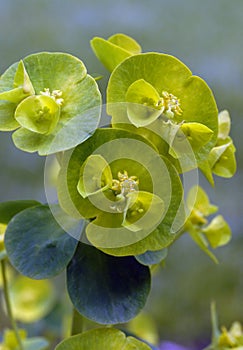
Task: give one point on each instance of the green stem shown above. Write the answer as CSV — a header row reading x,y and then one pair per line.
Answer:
x,y
77,323
214,321
8,305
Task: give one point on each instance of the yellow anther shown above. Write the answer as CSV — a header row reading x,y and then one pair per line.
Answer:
x,y
170,103
116,185
122,187
55,95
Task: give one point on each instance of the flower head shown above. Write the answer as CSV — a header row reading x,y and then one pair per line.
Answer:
x,y
123,187
42,103
159,93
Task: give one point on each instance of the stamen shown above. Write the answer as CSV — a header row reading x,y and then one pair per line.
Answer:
x,y
122,187
55,95
171,104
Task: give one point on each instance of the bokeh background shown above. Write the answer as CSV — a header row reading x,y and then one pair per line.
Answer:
x,y
207,37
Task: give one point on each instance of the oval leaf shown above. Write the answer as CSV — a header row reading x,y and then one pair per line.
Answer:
x,y
36,245
102,339
106,289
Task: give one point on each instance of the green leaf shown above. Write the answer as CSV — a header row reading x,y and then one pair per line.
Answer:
x,y
152,257
36,245
113,51
63,78
31,299
165,73
95,176
142,93
11,208
102,339
39,114
106,289
217,232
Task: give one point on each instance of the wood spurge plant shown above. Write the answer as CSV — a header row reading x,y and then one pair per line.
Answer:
x,y
126,184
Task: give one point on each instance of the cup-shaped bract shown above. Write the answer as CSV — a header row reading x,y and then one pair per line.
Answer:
x,y
127,191
173,97
51,101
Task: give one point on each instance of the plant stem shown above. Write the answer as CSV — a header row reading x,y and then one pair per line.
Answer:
x,y
8,305
77,323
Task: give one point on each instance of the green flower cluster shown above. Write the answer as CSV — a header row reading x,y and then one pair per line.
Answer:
x,y
43,98
123,185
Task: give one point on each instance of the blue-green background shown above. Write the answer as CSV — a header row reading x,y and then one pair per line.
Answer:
x,y
207,37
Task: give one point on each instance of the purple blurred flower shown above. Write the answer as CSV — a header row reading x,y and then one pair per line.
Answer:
x,y
168,345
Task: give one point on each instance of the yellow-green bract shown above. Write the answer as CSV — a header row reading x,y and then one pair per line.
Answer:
x,y
159,93
51,102
115,49
131,194
221,159
102,339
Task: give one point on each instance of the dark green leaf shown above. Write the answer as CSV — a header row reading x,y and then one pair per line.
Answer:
x,y
36,245
107,289
11,208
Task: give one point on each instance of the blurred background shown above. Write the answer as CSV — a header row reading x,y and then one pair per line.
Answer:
x,y
207,37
